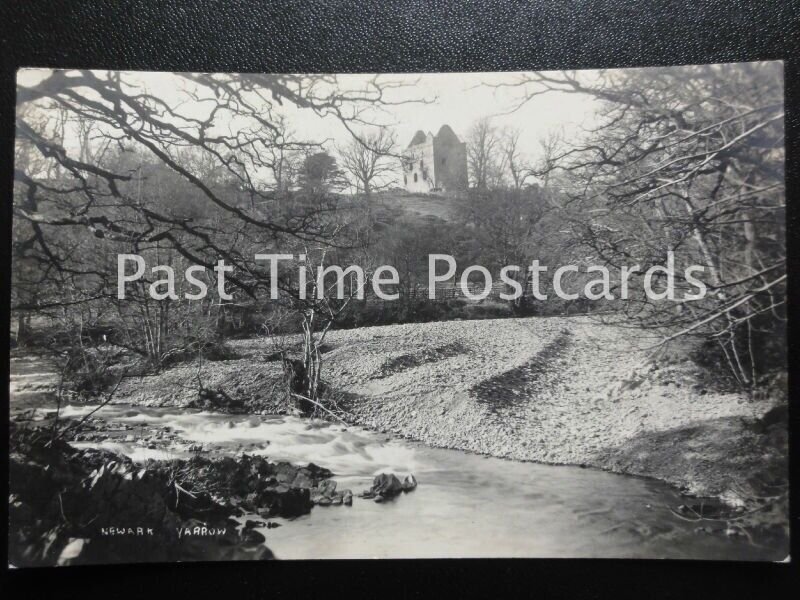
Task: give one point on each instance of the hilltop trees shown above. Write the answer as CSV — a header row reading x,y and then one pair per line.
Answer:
x,y
494,157
320,174
505,206
371,161
484,158
519,171
284,154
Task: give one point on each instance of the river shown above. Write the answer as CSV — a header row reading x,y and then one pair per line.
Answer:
x,y
466,505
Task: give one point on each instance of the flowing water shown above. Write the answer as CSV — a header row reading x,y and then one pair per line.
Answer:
x,y
466,505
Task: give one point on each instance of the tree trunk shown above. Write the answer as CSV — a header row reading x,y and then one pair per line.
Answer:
x,y
23,330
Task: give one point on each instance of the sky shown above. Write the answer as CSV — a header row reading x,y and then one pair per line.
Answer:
x,y
459,99
456,99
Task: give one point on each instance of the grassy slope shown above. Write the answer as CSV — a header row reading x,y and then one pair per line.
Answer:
x,y
421,204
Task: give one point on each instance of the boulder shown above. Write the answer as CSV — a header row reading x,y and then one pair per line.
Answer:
x,y
325,493
386,485
251,536
72,551
284,501
252,524
303,479
285,472
327,487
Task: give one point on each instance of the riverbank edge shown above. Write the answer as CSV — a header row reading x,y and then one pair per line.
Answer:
x,y
626,459
718,485
652,455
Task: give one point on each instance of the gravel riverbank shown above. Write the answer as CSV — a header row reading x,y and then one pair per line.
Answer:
x,y
554,390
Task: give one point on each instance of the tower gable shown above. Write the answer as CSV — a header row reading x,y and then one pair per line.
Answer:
x,y
435,163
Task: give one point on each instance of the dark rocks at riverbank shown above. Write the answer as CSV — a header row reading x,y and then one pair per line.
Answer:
x,y
217,400
85,507
327,495
254,484
69,506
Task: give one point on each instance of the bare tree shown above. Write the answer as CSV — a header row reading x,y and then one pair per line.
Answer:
x,y
286,154
483,153
550,146
318,291
370,161
515,162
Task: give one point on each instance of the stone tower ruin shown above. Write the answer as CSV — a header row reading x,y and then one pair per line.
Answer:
x,y
435,163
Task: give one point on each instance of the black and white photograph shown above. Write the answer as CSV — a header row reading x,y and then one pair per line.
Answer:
x,y
533,314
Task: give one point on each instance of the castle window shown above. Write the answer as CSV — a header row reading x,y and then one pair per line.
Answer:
x,y
415,177
405,180
421,165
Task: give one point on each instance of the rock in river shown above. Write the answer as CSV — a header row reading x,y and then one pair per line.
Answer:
x,y
386,486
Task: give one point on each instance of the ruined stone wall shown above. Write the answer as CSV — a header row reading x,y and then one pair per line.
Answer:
x,y
419,168
451,164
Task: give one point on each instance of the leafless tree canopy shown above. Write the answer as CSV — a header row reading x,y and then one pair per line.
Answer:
x,y
686,160
205,170
370,161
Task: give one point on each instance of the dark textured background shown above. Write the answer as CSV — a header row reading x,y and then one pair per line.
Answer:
x,y
330,36
302,36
